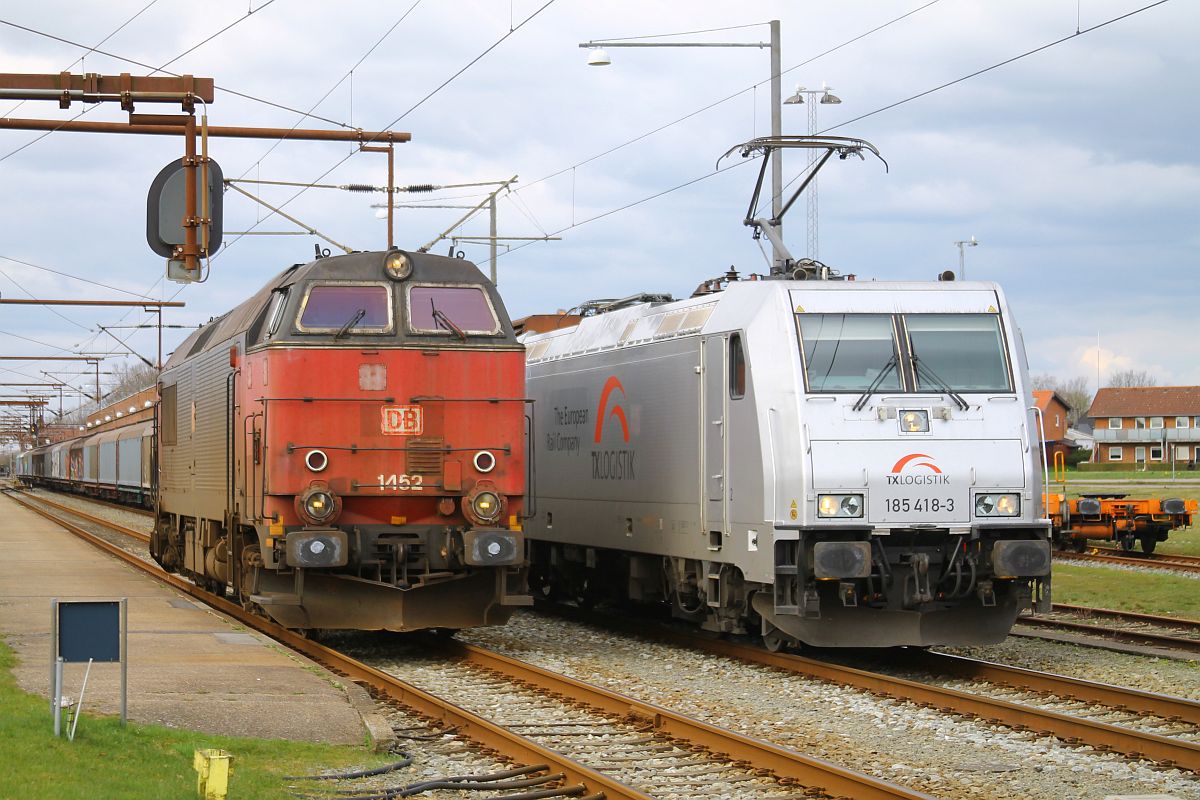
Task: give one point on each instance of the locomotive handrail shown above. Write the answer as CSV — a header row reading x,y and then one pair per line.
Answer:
x,y
506,448
326,399
421,398
414,399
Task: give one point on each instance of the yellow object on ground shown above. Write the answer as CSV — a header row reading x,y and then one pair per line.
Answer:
x,y
212,773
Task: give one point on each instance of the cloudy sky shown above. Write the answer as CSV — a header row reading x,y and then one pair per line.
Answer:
x,y
1071,166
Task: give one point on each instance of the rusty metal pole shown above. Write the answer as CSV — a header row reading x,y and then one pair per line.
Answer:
x,y
190,246
391,154
391,183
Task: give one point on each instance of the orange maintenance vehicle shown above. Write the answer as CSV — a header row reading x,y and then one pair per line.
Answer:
x,y
1116,518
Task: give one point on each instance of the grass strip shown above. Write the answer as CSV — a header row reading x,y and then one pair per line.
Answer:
x,y
1145,592
137,762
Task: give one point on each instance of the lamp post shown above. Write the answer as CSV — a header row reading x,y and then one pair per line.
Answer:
x,y
827,99
962,261
598,57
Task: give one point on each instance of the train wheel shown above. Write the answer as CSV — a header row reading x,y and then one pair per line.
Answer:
x,y
1148,544
1127,543
1079,545
775,641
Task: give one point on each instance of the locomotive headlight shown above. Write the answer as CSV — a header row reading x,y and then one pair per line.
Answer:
x,y
486,506
997,505
483,505
318,505
914,421
839,505
398,266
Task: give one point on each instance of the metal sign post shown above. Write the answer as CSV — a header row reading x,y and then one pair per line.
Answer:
x,y
83,631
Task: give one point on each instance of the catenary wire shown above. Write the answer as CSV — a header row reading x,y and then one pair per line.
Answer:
x,y
144,65
863,116
411,109
92,49
1006,62
723,100
336,84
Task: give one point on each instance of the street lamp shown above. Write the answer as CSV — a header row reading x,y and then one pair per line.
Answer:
x,y
962,263
598,57
828,98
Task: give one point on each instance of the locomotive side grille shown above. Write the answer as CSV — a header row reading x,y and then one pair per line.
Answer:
x,y
425,455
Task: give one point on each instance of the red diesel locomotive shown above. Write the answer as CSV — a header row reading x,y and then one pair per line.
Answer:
x,y
347,448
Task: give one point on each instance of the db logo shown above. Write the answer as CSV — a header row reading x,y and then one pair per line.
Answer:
x,y
910,460
402,420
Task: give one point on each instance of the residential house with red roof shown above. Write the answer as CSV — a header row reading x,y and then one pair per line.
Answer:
x,y
1150,425
1054,421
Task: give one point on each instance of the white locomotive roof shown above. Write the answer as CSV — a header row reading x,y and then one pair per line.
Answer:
x,y
743,300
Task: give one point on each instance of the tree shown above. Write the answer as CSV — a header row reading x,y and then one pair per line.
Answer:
x,y
130,377
1073,390
1128,378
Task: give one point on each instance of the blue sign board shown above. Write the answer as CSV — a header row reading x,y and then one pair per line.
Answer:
x,y
89,630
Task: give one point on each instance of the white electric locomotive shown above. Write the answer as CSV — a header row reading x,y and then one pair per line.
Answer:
x,y
830,462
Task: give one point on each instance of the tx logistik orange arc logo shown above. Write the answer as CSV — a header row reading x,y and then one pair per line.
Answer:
x,y
908,460
617,411
898,477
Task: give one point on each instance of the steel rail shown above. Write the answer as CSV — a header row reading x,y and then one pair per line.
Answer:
x,y
1115,634
1158,563
1183,623
1157,555
473,727
141,536
1116,697
781,761
1073,730
785,763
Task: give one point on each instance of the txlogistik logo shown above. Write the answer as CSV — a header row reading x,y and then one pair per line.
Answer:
x,y
901,476
617,464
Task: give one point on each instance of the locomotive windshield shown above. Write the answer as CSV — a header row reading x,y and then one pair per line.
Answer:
x,y
847,352
333,307
964,350
941,352
451,309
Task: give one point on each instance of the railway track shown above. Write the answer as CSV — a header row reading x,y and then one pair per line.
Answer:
x,y
1183,564
1137,555
659,750
1128,627
1053,714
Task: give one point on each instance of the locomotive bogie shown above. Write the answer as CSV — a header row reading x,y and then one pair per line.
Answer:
x,y
745,458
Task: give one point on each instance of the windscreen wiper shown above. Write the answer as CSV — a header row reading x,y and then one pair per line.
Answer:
x,y
870,390
919,366
350,323
445,322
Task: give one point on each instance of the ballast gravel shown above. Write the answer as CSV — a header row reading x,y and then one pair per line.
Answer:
x,y
938,753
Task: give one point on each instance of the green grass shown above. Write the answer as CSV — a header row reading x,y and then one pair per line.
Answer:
x,y
136,761
1148,593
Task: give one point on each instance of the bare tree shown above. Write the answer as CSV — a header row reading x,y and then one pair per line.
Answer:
x,y
1128,378
1072,390
130,378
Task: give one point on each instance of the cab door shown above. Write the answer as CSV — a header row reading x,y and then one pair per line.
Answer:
x,y
715,450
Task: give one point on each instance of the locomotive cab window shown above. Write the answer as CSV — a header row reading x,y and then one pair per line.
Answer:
x,y
849,352
451,311
275,311
964,352
346,309
737,367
